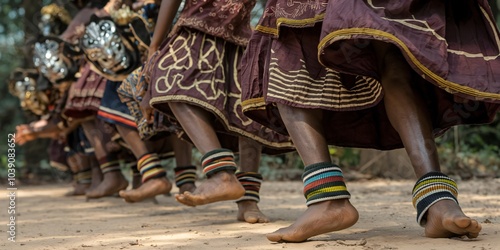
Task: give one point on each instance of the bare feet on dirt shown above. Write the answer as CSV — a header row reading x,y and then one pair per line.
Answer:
x,y
248,211
445,219
319,218
149,189
221,186
111,184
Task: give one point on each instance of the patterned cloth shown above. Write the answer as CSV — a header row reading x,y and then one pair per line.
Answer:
x,y
287,41
128,92
227,19
454,45
85,94
112,110
200,69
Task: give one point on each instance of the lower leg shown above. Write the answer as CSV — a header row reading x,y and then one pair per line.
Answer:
x,y
185,171
219,165
113,180
154,180
249,177
136,176
328,203
408,114
95,172
81,174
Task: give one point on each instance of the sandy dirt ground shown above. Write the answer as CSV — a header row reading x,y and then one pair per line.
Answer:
x,y
48,220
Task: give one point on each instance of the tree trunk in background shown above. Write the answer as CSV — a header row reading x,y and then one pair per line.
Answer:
x,y
393,164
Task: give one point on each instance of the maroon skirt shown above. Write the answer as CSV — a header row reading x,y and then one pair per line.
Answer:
x,y
281,65
84,98
202,70
454,45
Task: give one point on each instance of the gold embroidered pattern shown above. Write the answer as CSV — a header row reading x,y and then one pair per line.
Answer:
x,y
327,92
210,88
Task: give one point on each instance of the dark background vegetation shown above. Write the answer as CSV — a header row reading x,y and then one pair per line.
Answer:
x,y
465,151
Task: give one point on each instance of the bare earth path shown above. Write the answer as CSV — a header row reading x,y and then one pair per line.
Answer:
x,y
48,220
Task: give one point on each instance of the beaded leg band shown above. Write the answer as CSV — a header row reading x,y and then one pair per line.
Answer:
x,y
218,160
184,175
431,188
324,181
251,181
150,167
84,176
107,165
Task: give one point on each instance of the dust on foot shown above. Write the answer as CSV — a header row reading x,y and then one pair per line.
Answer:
x,y
190,187
147,190
319,218
445,219
112,183
221,186
248,211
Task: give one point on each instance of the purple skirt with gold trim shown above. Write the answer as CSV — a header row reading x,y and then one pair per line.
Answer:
x,y
281,65
202,70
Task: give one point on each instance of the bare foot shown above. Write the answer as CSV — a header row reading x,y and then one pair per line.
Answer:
x,y
112,182
190,187
248,211
220,187
319,218
96,178
149,189
446,219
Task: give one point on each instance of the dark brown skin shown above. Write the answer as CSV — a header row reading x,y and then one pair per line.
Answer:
x,y
96,173
196,122
112,182
161,185
408,116
306,131
250,152
150,188
78,162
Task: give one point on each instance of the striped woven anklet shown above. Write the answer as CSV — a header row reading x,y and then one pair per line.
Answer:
x,y
150,167
84,176
251,181
323,181
109,165
431,188
184,175
218,160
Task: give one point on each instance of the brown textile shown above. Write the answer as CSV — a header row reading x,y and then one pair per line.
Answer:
x,y
452,44
128,95
85,94
227,19
282,61
200,69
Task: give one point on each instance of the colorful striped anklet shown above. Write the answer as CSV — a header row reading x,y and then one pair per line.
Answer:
x,y
431,188
84,176
323,181
218,160
184,175
251,181
109,166
150,167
